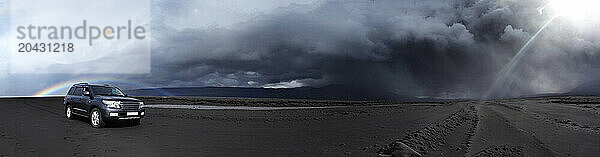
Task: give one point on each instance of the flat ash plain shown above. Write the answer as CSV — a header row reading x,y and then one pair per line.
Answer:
x,y
549,126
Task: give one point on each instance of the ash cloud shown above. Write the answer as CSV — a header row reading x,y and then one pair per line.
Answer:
x,y
431,47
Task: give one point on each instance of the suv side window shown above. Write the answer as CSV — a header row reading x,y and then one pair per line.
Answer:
x,y
78,91
71,91
85,89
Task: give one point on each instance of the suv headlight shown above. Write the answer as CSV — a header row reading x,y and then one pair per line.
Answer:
x,y
112,104
141,105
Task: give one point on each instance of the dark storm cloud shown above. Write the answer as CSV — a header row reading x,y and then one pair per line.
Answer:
x,y
427,47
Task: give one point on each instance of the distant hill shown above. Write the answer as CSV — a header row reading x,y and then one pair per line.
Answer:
x,y
589,88
331,92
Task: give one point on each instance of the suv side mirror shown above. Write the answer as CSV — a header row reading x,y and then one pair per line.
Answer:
x,y
86,93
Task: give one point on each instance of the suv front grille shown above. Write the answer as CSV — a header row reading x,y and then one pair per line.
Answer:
x,y
130,105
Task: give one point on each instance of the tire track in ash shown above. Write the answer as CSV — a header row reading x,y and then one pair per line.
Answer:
x,y
498,136
433,136
589,104
502,150
270,108
561,122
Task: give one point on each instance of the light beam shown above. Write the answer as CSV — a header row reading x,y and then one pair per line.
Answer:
x,y
576,10
508,68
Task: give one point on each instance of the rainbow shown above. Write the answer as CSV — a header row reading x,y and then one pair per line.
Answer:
x,y
62,87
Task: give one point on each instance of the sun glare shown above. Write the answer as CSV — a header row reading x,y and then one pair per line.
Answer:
x,y
575,9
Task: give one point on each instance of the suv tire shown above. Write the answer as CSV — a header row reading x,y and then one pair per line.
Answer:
x,y
69,112
96,118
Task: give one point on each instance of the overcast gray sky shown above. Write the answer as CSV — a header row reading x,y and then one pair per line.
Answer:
x,y
438,48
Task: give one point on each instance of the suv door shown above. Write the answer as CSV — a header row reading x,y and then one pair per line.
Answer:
x,y
85,99
76,101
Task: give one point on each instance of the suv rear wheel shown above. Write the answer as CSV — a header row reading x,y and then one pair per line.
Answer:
x,y
69,112
96,118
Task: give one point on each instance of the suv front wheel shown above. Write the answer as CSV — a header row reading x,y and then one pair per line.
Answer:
x,y
96,118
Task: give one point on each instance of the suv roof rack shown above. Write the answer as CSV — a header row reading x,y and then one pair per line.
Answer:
x,y
82,83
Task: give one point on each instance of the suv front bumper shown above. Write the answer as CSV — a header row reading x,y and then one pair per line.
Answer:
x,y
119,114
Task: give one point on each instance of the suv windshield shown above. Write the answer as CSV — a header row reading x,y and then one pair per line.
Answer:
x,y
110,91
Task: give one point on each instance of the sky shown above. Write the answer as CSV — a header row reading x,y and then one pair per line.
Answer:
x,y
431,48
